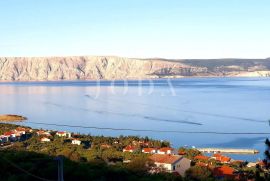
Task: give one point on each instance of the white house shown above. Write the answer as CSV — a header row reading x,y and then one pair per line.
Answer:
x,y
149,150
11,136
45,139
42,132
170,163
63,134
75,142
166,150
251,164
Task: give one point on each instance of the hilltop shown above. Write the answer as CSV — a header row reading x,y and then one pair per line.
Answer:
x,y
116,68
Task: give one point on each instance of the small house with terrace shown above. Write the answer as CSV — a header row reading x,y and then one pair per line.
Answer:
x,y
170,163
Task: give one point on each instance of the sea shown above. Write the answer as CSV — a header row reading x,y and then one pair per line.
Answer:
x,y
190,112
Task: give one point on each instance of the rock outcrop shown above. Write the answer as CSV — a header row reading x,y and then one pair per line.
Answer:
x,y
111,68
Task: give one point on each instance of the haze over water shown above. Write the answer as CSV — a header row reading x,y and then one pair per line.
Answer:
x,y
191,105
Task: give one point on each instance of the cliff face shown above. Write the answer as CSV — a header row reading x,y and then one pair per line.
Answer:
x,y
110,68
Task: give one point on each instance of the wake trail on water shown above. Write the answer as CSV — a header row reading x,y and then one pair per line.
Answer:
x,y
180,110
123,114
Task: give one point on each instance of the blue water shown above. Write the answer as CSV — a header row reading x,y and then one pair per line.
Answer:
x,y
192,105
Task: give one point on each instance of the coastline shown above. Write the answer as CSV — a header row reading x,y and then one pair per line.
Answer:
x,y
130,79
11,118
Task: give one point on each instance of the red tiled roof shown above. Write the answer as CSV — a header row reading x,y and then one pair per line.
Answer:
x,y
8,133
217,155
223,171
160,158
129,147
61,132
165,149
201,157
221,158
149,149
20,129
225,159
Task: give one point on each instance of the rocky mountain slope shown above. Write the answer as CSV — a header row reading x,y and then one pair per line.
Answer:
x,y
110,68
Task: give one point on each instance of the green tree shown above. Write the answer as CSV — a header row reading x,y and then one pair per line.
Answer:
x,y
199,173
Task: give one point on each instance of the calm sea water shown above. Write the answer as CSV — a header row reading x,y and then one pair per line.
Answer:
x,y
232,105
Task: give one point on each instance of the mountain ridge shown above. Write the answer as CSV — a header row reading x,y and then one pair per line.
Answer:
x,y
113,67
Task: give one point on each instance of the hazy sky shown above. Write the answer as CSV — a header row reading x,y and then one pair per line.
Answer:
x,y
136,28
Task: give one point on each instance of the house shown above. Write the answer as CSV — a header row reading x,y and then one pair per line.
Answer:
x,y
251,164
224,172
11,135
149,150
201,158
42,132
4,138
166,150
20,130
221,158
144,143
170,163
45,139
130,148
75,141
63,134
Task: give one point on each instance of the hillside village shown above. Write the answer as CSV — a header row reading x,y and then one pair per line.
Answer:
x,y
158,155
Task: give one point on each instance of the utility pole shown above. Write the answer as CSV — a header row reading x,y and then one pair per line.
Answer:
x,y
60,168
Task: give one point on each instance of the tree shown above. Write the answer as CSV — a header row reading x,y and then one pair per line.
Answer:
x,y
140,165
198,173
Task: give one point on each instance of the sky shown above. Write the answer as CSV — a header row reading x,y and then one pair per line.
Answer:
x,y
136,28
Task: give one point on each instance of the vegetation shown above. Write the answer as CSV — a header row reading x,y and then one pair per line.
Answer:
x,y
81,162
18,165
199,173
189,153
100,158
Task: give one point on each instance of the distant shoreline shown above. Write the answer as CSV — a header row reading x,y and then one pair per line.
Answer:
x,y
141,79
12,118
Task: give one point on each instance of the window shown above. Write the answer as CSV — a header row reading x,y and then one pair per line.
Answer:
x,y
174,167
